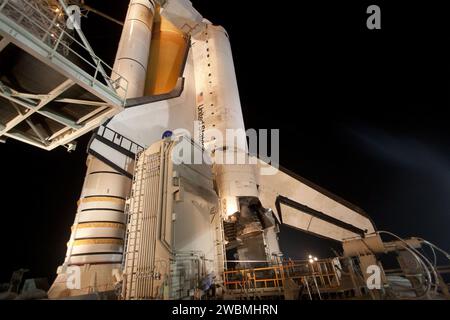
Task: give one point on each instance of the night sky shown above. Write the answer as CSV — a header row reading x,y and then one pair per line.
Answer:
x,y
362,113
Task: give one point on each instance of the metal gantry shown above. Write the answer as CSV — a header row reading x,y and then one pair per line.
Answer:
x,y
81,95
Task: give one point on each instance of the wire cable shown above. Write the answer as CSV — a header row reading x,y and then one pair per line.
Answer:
x,y
423,260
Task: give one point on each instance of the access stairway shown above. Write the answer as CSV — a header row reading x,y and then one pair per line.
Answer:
x,y
115,150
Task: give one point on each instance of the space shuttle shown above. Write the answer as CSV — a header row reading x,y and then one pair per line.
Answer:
x,y
175,205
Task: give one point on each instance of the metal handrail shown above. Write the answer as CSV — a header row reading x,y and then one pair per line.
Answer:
x,y
102,131
279,276
115,81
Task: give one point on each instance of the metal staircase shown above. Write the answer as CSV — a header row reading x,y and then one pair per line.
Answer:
x,y
53,87
219,238
115,150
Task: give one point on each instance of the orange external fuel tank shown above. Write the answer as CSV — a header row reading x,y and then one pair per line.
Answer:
x,y
168,51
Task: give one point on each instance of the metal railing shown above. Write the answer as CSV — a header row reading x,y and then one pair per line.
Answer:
x,y
323,273
119,140
51,32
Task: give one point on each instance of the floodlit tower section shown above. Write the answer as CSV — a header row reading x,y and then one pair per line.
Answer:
x,y
96,243
222,133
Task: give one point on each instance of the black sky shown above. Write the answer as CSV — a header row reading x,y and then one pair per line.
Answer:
x,y
362,113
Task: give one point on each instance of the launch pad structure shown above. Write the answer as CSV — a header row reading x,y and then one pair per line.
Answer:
x,y
154,223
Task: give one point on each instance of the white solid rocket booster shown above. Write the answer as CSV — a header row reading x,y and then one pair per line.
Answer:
x,y
97,239
219,109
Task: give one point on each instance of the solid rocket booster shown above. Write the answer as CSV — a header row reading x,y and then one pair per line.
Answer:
x,y
219,109
97,239
134,46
